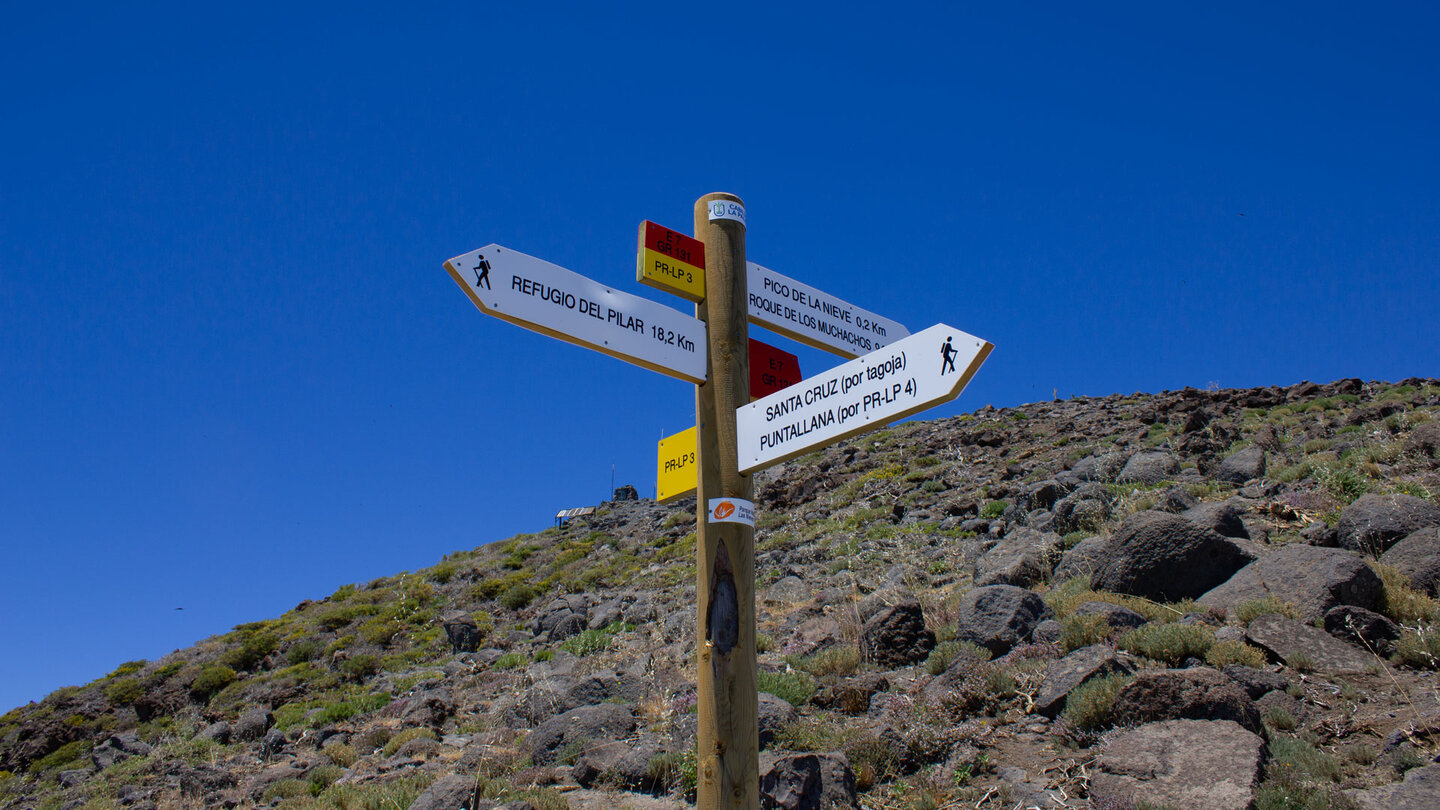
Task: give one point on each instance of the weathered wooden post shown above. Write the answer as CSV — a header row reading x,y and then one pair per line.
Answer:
x,y
727,766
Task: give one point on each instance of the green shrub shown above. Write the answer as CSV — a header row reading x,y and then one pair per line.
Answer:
x,y
1091,705
386,795
1234,652
341,754
381,630
840,659
211,680
124,691
415,733
676,770
592,641
795,687
62,756
1419,648
286,789
509,660
488,589
323,776
1278,718
256,642
1399,601
1342,481
302,651
338,616
1171,643
807,734
128,668
1252,609
1290,473
993,509
518,595
359,667
1304,759
946,652
1082,631
1071,594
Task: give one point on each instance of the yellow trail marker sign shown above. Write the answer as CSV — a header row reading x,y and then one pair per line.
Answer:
x,y
671,261
675,466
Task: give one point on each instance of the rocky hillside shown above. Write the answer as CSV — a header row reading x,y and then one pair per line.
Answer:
x,y
1195,599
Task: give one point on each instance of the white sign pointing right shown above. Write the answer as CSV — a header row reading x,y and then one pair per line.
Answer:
x,y
905,377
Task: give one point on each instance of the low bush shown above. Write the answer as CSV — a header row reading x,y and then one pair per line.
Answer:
x,y
64,755
302,651
795,687
840,659
1170,643
809,734
518,595
1419,648
211,680
946,652
509,660
1252,609
286,789
1082,631
256,642
416,733
341,754
359,667
1399,601
128,668
124,691
1234,652
1278,718
1091,705
592,641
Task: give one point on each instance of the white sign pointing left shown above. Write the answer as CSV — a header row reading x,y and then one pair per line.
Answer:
x,y
563,304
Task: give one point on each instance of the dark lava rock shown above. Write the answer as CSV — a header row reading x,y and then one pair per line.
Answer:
x,y
1255,682
1225,518
806,782
1063,676
1362,627
896,636
1373,523
1242,466
1166,558
1149,467
608,721
1184,694
1312,579
1184,764
1117,616
1418,558
998,617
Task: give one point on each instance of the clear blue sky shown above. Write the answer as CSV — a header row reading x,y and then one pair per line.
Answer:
x,y
233,374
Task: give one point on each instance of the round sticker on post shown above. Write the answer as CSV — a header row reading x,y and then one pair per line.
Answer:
x,y
732,510
727,209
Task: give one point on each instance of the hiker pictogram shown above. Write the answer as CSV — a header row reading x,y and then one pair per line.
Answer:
x,y
482,273
947,357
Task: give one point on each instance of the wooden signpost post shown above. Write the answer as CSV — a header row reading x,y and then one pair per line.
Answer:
x,y
741,425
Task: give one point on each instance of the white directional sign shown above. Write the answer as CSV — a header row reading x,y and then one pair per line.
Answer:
x,y
553,301
903,378
799,311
